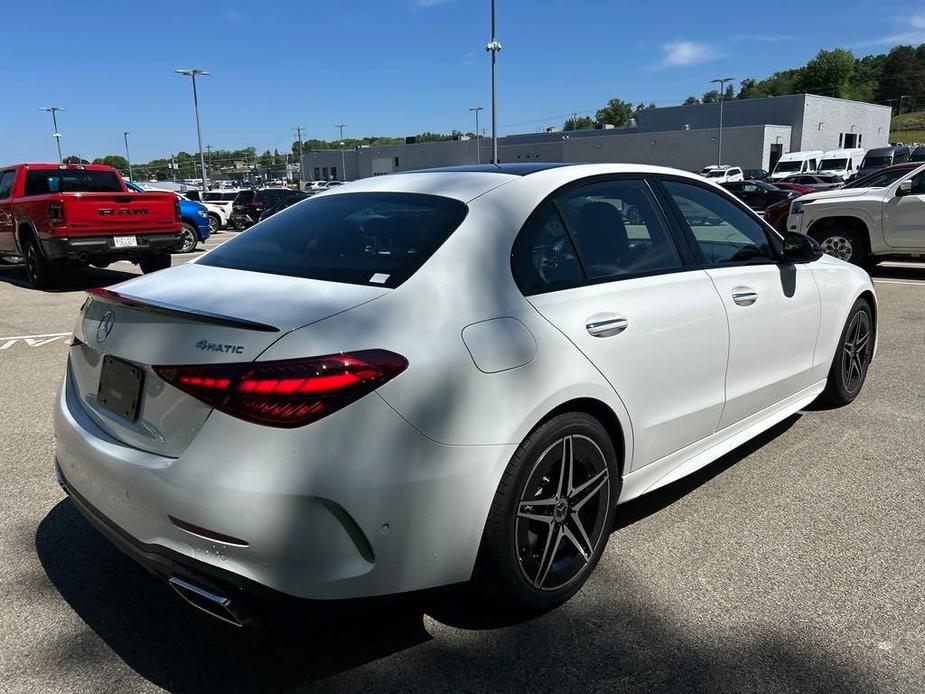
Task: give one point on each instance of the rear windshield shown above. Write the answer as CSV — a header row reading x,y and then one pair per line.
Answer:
x,y
45,181
881,179
244,197
376,239
783,166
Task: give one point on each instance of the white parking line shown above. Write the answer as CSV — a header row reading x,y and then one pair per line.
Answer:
x,y
30,340
914,283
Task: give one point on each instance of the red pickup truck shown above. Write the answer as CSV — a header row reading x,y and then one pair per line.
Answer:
x,y
54,215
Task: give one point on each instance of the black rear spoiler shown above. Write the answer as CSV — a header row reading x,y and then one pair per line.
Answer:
x,y
111,297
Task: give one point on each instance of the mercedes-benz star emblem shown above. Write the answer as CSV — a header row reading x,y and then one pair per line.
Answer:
x,y
105,326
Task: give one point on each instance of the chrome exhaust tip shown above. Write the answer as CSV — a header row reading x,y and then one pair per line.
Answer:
x,y
211,603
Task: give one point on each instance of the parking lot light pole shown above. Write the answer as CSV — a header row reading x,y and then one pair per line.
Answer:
x,y
343,161
298,132
128,157
722,97
493,47
478,141
192,72
54,121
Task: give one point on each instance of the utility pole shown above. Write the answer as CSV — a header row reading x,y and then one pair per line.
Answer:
x,y
54,121
298,132
343,161
493,47
478,140
128,158
900,126
192,72
722,97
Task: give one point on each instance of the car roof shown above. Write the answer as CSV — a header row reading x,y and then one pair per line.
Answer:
x,y
466,183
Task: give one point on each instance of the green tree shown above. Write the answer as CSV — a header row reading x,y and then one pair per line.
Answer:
x,y
579,123
691,100
615,112
829,73
710,97
74,159
116,161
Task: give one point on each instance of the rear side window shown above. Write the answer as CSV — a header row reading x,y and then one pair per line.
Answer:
x,y
244,197
45,181
544,258
357,238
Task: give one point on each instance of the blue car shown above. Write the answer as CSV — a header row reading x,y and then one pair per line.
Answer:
x,y
194,217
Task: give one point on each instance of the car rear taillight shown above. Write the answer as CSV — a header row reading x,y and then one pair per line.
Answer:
x,y
55,213
289,393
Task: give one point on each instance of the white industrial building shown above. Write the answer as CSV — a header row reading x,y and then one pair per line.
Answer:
x,y
755,134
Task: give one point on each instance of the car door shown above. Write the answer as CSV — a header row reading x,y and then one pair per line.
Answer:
x,y
7,237
599,262
904,215
773,307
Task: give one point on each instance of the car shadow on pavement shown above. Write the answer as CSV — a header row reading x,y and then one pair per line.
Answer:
x,y
623,640
73,280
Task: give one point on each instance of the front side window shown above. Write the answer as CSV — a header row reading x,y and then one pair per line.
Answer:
x,y
724,233
378,239
6,183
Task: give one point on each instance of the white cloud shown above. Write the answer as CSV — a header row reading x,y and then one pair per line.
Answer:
x,y
916,36
686,53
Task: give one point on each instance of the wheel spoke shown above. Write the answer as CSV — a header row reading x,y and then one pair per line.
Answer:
x,y
587,490
549,554
568,463
540,510
584,546
861,342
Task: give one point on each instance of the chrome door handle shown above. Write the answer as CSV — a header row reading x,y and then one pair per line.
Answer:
x,y
744,296
605,327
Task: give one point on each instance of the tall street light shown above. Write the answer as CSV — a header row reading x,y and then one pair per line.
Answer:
x,y
493,47
343,163
478,142
54,121
900,126
192,72
128,158
298,132
722,97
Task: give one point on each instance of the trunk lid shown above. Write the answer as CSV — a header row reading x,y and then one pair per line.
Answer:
x,y
92,214
188,315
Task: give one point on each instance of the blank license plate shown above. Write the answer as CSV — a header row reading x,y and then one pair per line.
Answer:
x,y
124,241
120,388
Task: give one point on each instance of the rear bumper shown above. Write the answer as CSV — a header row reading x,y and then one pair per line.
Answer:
x,y
324,512
100,247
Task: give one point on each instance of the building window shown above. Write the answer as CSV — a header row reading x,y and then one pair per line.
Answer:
x,y
334,172
324,172
849,140
396,162
317,173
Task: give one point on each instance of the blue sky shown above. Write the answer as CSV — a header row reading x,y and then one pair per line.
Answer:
x,y
386,67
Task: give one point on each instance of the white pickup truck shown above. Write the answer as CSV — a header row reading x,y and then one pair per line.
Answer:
x,y
873,218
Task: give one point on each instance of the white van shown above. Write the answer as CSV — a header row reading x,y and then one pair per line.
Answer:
x,y
794,163
841,162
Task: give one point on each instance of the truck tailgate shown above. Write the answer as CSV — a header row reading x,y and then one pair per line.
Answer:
x,y
119,213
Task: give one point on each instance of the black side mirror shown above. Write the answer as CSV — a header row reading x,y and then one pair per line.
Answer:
x,y
905,188
799,248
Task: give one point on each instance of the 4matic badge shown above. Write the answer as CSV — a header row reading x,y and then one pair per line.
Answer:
x,y
207,346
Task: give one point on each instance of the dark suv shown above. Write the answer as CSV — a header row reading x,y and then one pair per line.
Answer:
x,y
250,204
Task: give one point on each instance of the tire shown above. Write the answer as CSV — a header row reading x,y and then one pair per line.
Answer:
x,y
850,363
153,263
842,242
215,224
41,272
530,560
190,236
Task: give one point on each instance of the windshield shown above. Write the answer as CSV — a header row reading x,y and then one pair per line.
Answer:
x,y
45,181
881,179
716,174
832,164
360,238
876,161
785,166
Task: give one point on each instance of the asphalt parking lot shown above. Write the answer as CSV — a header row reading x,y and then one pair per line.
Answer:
x,y
796,563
